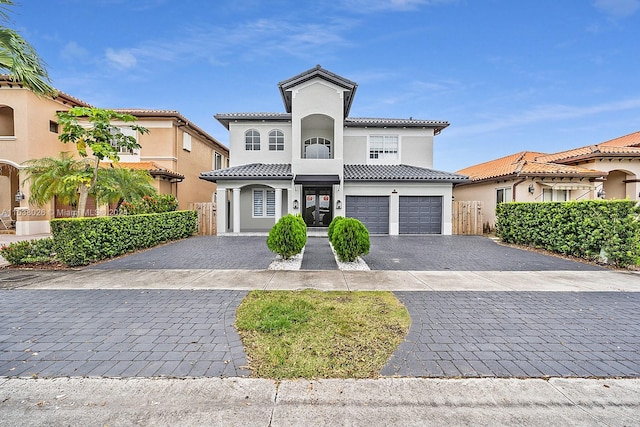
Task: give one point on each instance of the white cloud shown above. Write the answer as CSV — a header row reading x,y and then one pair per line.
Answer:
x,y
367,6
618,8
121,59
72,51
542,114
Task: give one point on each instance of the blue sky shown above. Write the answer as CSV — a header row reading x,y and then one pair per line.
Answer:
x,y
509,75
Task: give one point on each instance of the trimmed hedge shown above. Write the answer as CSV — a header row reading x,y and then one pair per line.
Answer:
x,y
80,241
350,239
589,229
288,236
28,251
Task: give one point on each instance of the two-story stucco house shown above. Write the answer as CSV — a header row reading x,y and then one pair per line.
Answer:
x,y
315,160
174,153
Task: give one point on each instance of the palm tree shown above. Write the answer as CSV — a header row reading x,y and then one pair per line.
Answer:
x,y
61,178
20,59
116,184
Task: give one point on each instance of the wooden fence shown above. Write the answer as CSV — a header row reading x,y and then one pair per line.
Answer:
x,y
467,217
206,218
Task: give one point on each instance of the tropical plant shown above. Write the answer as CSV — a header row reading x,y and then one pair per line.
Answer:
x,y
20,59
100,140
56,177
116,184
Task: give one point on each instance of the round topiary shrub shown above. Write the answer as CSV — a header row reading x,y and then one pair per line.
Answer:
x,y
288,236
350,239
332,226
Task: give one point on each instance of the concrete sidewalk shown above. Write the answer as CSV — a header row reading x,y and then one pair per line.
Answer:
x,y
261,402
562,281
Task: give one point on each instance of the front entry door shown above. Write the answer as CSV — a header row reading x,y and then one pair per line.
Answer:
x,y
317,206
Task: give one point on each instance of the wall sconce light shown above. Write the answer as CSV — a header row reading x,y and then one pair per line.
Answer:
x,y
601,194
394,191
19,196
295,205
531,189
339,204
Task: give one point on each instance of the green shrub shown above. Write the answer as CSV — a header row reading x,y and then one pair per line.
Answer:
x,y
350,239
332,226
80,241
28,251
150,204
584,229
288,236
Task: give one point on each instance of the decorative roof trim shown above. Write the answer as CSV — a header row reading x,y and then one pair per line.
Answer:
x,y
365,122
226,118
350,87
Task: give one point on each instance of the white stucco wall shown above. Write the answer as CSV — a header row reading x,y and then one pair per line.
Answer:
x,y
241,156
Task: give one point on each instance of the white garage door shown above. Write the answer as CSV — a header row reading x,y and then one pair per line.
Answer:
x,y
373,211
420,215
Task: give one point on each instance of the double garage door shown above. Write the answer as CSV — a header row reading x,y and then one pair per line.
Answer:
x,y
418,214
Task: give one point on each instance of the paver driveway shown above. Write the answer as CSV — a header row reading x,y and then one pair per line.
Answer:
x,y
459,253
410,253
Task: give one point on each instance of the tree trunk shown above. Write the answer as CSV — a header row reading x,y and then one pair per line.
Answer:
x,y
82,200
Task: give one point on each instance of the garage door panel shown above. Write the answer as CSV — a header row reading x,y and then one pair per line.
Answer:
x,y
420,215
373,211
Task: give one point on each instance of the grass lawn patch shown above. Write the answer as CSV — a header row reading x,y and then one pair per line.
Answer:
x,y
316,334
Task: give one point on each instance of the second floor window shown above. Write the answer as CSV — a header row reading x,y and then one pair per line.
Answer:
x,y
317,148
252,140
217,161
276,140
383,147
124,150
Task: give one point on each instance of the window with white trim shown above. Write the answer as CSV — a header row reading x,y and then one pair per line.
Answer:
x,y
217,161
276,140
186,141
252,140
383,147
317,148
552,195
126,131
503,195
264,203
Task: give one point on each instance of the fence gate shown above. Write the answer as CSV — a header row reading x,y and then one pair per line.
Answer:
x,y
206,218
467,217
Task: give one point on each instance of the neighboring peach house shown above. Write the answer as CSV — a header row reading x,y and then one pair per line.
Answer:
x,y
608,170
174,152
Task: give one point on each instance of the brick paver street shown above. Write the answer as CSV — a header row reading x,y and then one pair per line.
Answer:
x,y
190,333
520,334
120,333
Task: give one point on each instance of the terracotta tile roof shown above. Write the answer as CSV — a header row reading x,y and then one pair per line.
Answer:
x,y
152,167
631,140
398,173
590,152
524,164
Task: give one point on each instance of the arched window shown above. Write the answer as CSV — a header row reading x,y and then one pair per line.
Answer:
x,y
317,148
252,140
6,121
276,140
